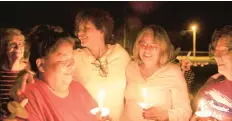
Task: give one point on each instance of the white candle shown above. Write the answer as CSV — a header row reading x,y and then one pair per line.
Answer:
x,y
144,90
144,104
204,111
101,96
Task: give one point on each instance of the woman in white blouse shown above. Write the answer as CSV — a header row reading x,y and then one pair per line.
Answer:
x,y
101,64
154,81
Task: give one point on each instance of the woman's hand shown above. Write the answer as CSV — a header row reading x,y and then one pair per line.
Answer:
x,y
24,77
17,110
197,118
155,113
185,65
102,118
13,119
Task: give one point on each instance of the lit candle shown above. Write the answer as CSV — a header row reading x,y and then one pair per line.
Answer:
x,y
144,90
144,104
100,98
204,111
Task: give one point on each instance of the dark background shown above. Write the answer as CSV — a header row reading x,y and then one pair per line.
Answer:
x,y
174,17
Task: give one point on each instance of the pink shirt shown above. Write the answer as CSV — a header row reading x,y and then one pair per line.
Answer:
x,y
220,99
43,105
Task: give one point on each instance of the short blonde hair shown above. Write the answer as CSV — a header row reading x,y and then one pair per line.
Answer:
x,y
161,38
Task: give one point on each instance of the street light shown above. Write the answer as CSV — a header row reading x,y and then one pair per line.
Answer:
x,y
194,39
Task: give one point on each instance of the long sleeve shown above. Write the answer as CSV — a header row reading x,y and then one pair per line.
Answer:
x,y
181,109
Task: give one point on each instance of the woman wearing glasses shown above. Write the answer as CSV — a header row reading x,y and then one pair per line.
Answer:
x,y
217,89
101,64
12,60
156,88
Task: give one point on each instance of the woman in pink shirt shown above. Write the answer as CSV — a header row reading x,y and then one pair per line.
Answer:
x,y
55,96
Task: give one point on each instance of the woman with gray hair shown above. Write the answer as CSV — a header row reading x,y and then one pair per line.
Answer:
x,y
156,88
216,94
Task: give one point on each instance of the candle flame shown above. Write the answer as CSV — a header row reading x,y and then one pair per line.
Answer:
x,y
203,111
144,104
201,103
144,90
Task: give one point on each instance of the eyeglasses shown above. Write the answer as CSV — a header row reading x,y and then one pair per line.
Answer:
x,y
14,44
102,65
149,46
220,53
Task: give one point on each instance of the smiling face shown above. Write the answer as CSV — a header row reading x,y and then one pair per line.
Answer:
x,y
149,50
58,67
223,57
15,48
89,35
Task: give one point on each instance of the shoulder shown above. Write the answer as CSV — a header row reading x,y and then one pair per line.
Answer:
x,y
79,51
116,53
132,65
80,54
216,76
214,79
172,68
173,73
131,68
34,88
117,49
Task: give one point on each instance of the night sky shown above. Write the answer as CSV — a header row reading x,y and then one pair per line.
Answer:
x,y
174,17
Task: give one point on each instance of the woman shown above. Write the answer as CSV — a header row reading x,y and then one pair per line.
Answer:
x,y
101,64
54,96
217,89
152,79
12,61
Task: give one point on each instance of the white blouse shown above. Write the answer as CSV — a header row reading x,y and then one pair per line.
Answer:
x,y
165,89
113,84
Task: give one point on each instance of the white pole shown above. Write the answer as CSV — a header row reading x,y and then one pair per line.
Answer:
x,y
194,42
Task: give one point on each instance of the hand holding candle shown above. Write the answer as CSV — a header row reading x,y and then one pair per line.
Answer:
x,y
17,110
100,98
203,111
144,104
104,111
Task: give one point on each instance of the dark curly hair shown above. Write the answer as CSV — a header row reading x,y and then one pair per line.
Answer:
x,y
101,19
44,39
